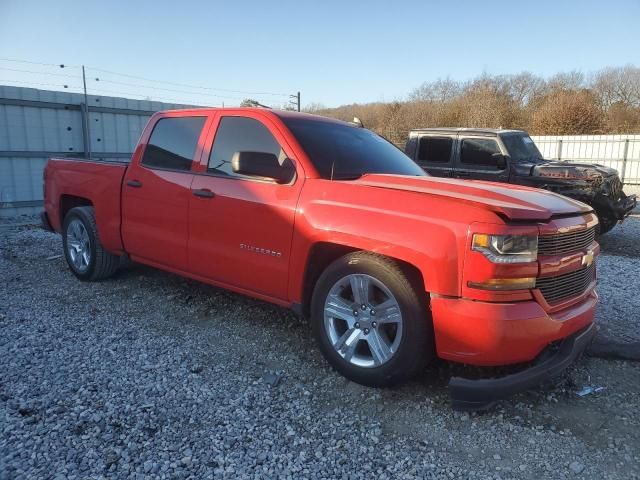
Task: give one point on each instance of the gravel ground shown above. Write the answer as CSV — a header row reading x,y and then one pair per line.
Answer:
x,y
149,375
624,239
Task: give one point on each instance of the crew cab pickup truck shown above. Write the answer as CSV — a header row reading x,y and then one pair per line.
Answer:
x,y
511,156
392,266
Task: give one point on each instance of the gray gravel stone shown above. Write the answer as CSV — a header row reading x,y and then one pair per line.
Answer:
x,y
98,381
576,467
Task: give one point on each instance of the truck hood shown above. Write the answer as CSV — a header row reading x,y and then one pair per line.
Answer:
x,y
572,171
514,202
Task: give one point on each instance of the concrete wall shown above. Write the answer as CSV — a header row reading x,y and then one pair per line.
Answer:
x,y
38,124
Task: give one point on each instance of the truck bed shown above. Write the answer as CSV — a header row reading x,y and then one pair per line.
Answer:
x,y
70,181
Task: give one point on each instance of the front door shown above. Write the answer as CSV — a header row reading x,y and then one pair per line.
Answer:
x,y
479,160
240,227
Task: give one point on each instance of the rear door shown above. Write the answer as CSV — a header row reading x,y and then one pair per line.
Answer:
x,y
157,189
435,154
477,159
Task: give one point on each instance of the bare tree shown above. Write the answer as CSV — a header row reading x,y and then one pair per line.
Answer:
x,y
573,80
568,113
618,85
442,90
564,104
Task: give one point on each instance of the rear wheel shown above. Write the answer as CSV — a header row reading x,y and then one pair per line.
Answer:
x,y
371,321
82,248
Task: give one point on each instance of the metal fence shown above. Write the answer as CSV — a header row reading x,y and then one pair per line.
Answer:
x,y
621,152
38,124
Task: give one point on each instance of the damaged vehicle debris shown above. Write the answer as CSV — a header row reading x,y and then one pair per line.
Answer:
x,y
511,156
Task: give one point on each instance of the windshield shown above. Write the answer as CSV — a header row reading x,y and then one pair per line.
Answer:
x,y
521,148
345,152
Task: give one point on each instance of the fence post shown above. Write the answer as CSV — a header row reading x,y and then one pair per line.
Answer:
x,y
85,129
559,149
625,154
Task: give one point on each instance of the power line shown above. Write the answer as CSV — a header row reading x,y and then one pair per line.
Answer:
x,y
187,85
37,83
152,87
145,97
167,89
36,63
39,73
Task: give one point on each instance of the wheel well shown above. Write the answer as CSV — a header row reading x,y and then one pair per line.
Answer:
x,y
67,202
323,254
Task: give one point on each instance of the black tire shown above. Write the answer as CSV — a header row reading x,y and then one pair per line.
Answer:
x,y
102,264
605,224
416,347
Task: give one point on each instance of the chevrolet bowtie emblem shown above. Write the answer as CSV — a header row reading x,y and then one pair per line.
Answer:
x,y
587,259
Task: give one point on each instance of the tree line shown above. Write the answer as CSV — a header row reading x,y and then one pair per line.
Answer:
x,y
572,103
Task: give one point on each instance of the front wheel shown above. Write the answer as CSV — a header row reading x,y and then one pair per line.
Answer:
x,y
371,320
82,248
605,224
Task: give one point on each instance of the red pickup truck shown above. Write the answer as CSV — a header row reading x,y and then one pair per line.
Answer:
x,y
393,267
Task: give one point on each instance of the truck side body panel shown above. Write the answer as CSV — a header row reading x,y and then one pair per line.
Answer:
x,y
96,182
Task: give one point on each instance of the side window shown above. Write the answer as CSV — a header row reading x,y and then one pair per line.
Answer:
x,y
479,152
240,134
435,149
173,143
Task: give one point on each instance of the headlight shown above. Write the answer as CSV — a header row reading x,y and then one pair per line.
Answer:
x,y
506,248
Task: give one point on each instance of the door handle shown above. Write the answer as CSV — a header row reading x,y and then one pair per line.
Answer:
x,y
203,192
134,183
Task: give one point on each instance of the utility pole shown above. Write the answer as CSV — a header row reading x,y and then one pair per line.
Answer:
x,y
296,98
86,114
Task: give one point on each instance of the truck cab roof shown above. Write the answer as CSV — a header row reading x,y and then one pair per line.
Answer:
x,y
472,131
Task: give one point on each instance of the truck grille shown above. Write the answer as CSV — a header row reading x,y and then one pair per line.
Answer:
x,y
562,287
615,186
566,242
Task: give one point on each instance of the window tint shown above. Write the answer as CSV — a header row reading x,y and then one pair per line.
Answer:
x,y
435,149
240,134
341,151
479,151
521,148
173,143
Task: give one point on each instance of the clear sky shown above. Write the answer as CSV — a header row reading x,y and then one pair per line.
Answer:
x,y
334,52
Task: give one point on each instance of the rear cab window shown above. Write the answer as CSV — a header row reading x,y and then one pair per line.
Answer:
x,y
173,143
432,149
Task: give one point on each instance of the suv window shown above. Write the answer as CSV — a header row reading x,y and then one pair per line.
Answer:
x,y
173,143
435,149
521,148
240,134
479,151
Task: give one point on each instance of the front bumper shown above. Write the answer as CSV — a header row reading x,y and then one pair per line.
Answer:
x,y
481,394
623,207
493,334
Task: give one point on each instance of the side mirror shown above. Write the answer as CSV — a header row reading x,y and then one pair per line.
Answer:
x,y
500,160
264,165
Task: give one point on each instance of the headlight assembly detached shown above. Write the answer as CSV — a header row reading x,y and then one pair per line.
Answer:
x,y
506,248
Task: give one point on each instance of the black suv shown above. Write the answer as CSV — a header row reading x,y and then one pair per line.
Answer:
x,y
510,156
